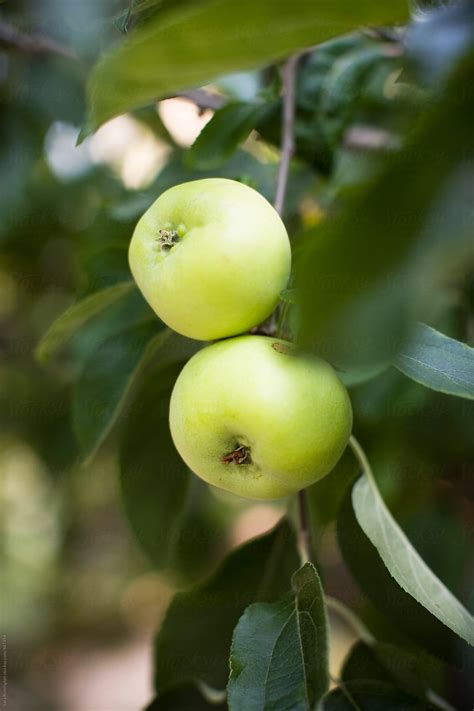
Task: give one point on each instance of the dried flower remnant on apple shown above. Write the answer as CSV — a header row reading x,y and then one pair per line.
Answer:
x,y
240,455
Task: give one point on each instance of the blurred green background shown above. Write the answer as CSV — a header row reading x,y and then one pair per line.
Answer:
x,y
80,601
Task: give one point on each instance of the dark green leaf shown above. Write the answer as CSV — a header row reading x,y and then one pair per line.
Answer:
x,y
404,563
371,696
221,136
107,378
359,291
188,46
154,479
279,656
76,316
412,670
439,362
194,640
324,498
184,698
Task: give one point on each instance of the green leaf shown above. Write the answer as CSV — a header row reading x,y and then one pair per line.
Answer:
x,y
325,496
363,695
404,563
221,136
184,698
368,291
435,40
176,520
409,618
189,46
195,637
76,316
154,479
279,656
413,670
106,380
439,362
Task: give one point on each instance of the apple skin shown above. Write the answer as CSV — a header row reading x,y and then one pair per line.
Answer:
x,y
290,409
230,262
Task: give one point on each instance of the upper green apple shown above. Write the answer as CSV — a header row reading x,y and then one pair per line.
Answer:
x,y
254,416
211,258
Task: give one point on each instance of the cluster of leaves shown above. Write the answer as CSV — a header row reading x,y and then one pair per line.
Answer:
x,y
384,146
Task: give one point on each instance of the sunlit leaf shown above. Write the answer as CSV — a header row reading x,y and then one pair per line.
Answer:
x,y
439,362
221,136
404,563
190,45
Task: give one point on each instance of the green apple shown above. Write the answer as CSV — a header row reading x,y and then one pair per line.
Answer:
x,y
254,416
211,258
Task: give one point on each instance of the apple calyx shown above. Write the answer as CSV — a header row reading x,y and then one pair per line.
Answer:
x,y
167,239
240,455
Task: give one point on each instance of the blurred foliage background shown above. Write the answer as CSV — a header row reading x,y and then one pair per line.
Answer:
x,y
80,598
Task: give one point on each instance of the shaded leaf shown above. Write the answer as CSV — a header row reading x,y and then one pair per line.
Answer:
x,y
188,46
325,496
371,696
107,377
404,563
184,698
437,37
412,670
439,362
76,316
154,479
177,522
279,656
195,637
221,136
368,289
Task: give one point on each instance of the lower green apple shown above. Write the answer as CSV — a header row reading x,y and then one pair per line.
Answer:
x,y
256,417
211,258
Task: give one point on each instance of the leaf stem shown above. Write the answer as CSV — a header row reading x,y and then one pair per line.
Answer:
x,y
13,38
304,530
361,457
350,618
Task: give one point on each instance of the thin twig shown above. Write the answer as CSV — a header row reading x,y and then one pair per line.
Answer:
x,y
287,148
364,463
287,133
13,38
304,532
203,99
